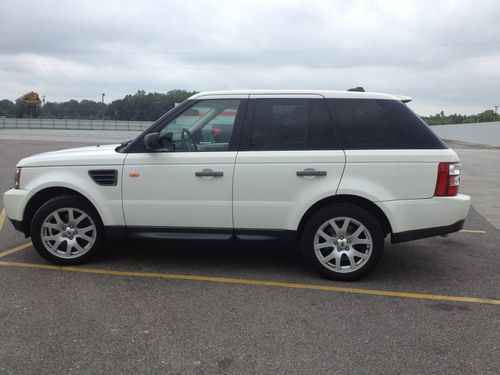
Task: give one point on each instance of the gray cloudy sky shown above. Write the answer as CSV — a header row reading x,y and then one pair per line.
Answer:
x,y
445,54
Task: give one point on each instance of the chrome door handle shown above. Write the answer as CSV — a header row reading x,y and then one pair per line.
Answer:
x,y
208,173
310,172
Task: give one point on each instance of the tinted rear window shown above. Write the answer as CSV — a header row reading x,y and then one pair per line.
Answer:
x,y
415,130
292,124
363,124
368,124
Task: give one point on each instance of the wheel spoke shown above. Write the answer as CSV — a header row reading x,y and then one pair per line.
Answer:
x,y
69,247
79,219
361,241
58,218
358,231
79,248
86,229
59,240
85,237
359,254
325,236
352,262
52,226
335,227
50,238
347,221
71,216
338,266
322,245
329,257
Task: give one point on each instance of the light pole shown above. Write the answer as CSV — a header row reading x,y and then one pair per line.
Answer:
x,y
102,99
496,115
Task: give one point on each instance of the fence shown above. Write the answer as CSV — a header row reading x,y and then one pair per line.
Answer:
x,y
36,123
486,133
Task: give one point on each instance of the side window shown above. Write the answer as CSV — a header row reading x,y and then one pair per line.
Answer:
x,y
363,124
291,124
412,126
205,126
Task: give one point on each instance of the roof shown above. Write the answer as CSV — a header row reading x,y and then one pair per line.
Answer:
x,y
323,93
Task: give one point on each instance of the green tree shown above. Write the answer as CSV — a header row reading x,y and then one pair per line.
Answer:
x,y
7,108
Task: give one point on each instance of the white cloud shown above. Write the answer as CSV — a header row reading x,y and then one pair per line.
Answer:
x,y
444,54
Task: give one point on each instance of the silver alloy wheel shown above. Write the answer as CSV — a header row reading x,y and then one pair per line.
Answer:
x,y
343,244
68,233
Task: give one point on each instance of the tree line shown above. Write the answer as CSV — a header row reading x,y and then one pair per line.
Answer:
x,y
137,107
150,106
442,119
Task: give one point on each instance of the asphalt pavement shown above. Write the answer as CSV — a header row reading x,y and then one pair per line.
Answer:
x,y
431,307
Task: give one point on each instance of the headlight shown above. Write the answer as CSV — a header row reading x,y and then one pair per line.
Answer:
x,y
17,178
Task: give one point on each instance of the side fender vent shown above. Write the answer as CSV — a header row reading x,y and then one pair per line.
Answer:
x,y
104,177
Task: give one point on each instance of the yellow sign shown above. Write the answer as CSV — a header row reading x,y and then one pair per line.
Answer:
x,y
32,99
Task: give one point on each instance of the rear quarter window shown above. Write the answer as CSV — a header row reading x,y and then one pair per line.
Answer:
x,y
413,127
371,124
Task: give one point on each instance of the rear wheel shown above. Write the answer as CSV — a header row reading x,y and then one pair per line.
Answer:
x,y
66,230
343,241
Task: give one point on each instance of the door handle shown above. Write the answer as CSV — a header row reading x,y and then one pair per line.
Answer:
x,y
208,173
310,172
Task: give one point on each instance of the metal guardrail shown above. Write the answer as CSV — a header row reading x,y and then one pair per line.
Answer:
x,y
487,133
36,123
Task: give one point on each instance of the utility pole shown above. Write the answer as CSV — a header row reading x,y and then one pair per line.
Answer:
x,y
102,98
496,115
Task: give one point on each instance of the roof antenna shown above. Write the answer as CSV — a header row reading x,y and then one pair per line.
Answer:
x,y
358,89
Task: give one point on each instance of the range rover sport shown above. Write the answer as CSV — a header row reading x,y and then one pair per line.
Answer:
x,y
337,171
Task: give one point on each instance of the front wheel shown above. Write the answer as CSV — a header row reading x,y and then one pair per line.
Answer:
x,y
343,241
66,230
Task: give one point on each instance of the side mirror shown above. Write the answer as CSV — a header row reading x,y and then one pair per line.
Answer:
x,y
152,142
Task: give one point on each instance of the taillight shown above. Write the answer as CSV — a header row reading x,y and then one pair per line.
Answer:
x,y
448,180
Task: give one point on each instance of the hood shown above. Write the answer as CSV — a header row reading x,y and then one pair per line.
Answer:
x,y
93,155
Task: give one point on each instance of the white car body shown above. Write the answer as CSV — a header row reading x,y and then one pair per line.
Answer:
x,y
259,193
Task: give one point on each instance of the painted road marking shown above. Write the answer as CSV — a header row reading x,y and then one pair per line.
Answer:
x,y
228,280
15,249
2,218
473,231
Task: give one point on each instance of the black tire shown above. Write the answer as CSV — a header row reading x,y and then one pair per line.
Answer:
x,y
372,252
60,203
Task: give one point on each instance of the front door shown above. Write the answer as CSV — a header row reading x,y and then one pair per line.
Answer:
x,y
186,189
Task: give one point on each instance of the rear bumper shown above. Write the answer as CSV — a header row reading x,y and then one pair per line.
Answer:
x,y
420,218
427,232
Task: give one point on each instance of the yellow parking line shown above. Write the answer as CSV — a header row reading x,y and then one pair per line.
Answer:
x,y
473,231
2,218
17,248
227,280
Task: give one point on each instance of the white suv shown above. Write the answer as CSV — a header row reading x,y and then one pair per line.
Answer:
x,y
336,170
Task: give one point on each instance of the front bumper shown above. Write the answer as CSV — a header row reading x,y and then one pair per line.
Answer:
x,y
14,202
18,225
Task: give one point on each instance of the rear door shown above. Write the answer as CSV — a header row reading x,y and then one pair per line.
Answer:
x,y
289,159
391,154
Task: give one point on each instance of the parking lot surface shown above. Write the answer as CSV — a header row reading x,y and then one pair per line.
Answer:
x,y
432,306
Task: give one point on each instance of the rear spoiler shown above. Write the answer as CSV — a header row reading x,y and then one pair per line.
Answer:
x,y
403,98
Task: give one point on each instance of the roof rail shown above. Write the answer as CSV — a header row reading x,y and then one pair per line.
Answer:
x,y
359,89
